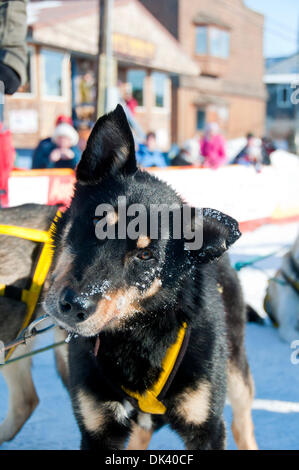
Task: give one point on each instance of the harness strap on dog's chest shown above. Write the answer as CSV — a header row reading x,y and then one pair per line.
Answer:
x,y
151,400
30,296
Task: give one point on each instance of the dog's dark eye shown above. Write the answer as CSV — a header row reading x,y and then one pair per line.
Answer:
x,y
145,255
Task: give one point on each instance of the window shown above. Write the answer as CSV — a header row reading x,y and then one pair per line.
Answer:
x,y
213,41
159,89
52,73
201,40
201,119
284,96
219,43
136,79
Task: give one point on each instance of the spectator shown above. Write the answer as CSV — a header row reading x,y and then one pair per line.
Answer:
x,y
86,88
130,101
188,154
213,147
60,151
251,154
148,155
267,148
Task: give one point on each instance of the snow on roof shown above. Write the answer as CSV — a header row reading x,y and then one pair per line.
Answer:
x,y
287,66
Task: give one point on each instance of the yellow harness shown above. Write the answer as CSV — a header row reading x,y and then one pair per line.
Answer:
x,y
150,401
30,296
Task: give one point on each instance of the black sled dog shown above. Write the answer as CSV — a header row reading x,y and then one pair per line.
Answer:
x,y
158,329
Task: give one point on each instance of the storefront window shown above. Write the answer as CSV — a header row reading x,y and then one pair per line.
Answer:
x,y
219,43
159,89
201,40
136,79
52,72
84,88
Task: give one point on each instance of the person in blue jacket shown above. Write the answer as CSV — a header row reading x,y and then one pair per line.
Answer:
x,y
148,155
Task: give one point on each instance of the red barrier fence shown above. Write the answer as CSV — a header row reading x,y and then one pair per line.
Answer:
x,y
252,198
7,156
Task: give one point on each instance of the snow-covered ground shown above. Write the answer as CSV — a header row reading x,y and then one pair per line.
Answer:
x,y
276,408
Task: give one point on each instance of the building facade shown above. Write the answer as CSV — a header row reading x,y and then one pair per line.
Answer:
x,y
282,121
62,68
225,39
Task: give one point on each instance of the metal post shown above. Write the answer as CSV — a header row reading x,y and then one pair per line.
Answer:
x,y
100,65
109,57
105,57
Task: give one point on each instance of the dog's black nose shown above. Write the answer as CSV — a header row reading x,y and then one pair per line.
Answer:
x,y
70,303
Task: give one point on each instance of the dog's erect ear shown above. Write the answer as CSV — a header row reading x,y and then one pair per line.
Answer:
x,y
219,232
110,149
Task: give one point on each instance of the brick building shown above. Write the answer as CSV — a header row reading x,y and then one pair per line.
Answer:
x,y
63,46
225,38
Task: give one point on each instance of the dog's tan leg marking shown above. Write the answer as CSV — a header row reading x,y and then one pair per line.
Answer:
x,y
241,398
61,356
194,405
139,438
23,398
90,410
95,414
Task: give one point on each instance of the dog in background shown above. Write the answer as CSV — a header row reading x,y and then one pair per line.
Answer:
x,y
282,297
18,259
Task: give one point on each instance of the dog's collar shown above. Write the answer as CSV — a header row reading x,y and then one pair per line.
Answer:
x,y
151,401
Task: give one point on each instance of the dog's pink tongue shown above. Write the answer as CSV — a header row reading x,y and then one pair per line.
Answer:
x,y
97,346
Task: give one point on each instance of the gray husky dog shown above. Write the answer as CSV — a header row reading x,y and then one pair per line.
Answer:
x,y
18,259
282,297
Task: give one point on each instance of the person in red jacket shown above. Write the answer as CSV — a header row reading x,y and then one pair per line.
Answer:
x,y
212,147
